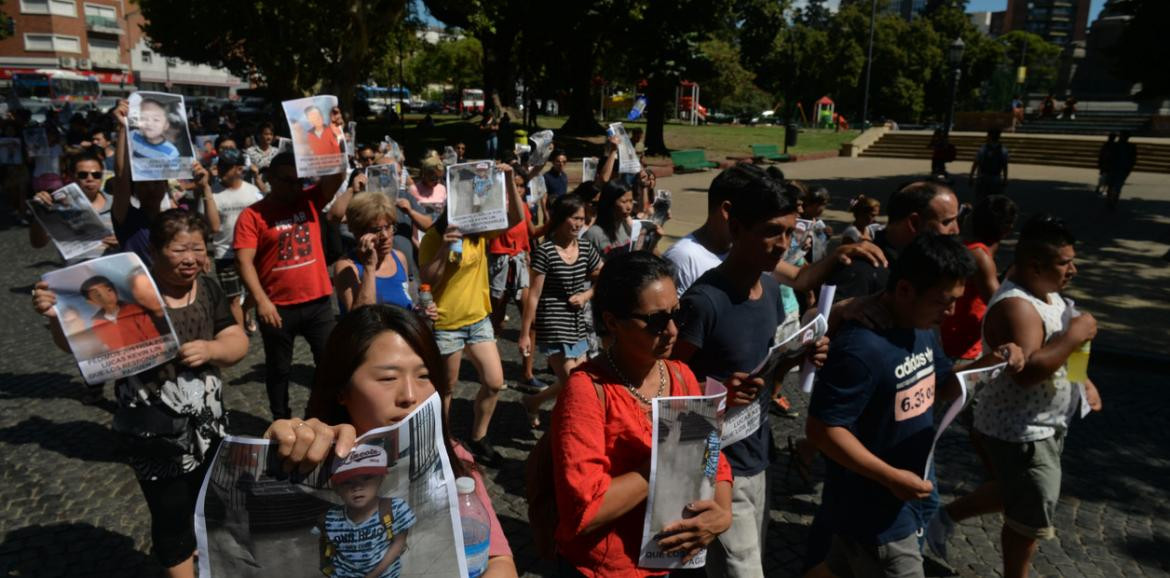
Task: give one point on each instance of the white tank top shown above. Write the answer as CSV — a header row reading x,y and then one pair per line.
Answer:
x,y
1016,413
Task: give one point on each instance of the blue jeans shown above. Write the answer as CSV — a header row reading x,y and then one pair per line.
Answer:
x,y
453,340
491,144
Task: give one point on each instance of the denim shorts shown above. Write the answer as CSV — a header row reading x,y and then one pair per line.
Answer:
x,y
569,350
454,340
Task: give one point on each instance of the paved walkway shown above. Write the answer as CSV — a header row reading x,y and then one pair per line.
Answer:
x,y
69,504
1122,278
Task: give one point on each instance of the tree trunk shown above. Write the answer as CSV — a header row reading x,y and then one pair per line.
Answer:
x,y
581,120
656,99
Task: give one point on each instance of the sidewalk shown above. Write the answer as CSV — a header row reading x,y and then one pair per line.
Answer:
x,y
1122,278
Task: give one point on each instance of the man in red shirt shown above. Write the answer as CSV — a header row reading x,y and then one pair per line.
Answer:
x,y
117,324
322,138
281,260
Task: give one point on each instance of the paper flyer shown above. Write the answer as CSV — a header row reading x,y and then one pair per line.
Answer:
x,y
588,169
36,141
383,179
159,137
537,190
808,371
968,381
542,145
319,145
391,502
741,421
113,317
74,226
684,459
628,163
476,197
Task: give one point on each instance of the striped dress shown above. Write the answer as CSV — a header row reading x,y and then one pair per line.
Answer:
x,y
556,320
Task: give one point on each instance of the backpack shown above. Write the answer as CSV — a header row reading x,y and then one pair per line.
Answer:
x,y
540,485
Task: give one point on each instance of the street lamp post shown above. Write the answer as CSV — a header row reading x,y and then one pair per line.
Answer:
x,y
955,59
868,65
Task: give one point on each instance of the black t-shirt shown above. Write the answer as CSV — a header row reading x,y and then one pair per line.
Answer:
x,y
880,386
556,185
733,333
860,278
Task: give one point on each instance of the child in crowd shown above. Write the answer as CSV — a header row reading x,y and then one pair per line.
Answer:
x,y
865,213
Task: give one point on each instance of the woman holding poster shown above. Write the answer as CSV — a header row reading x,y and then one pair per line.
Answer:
x,y
171,416
602,435
381,363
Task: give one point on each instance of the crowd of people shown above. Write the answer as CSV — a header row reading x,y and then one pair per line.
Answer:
x,y
390,296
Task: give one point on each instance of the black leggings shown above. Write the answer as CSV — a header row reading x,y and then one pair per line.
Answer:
x,y
172,513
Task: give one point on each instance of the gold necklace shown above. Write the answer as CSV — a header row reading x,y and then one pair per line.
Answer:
x,y
630,386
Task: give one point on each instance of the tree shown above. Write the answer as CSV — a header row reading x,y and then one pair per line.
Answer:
x,y
1141,54
730,87
457,63
296,47
1042,59
815,14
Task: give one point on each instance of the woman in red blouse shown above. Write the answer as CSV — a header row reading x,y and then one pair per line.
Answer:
x,y
601,453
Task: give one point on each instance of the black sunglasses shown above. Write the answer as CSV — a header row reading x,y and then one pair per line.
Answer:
x,y
88,175
657,322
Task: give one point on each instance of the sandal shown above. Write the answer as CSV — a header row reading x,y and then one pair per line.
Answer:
x,y
533,413
803,469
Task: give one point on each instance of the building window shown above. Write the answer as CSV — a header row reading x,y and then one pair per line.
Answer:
x,y
52,43
101,17
146,56
54,7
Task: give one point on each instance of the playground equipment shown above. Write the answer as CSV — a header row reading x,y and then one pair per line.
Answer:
x,y
825,111
687,106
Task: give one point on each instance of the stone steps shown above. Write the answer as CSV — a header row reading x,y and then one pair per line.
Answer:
x,y
1057,151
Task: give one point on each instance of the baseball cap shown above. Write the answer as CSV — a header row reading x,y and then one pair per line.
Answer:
x,y
363,460
229,158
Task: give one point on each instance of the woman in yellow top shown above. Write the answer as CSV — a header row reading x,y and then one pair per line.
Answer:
x,y
459,282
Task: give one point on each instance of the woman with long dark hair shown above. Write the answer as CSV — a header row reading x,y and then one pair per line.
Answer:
x,y
611,232
381,362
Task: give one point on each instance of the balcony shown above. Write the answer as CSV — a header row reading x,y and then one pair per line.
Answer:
x,y
102,24
105,60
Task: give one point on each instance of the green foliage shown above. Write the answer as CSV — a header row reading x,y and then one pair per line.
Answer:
x,y
730,88
295,47
1040,56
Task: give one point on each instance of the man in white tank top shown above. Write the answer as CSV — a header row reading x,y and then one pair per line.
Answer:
x,y
1021,419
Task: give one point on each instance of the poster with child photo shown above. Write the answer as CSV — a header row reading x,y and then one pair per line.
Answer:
x,y
318,135
113,317
388,509
71,222
160,140
475,197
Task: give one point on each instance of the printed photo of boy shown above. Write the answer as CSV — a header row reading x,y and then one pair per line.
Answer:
x,y
149,139
366,536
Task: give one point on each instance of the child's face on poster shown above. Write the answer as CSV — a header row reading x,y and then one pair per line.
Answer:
x,y
152,121
359,491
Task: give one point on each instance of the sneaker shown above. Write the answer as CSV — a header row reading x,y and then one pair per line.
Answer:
x,y
939,532
483,451
533,385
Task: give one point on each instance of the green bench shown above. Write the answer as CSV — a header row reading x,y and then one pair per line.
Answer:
x,y
691,160
768,152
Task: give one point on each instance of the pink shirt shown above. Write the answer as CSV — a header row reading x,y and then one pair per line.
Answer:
x,y
435,195
498,543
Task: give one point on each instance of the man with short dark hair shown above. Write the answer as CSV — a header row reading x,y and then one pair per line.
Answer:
x,y
872,412
729,318
556,181
282,264
916,208
1022,419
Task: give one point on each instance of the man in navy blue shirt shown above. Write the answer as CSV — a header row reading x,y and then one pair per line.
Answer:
x,y
556,182
872,411
728,321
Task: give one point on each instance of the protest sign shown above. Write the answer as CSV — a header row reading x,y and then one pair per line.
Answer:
x,y
318,144
393,495
475,197
742,421
800,243
450,157
588,169
160,144
10,151
537,190
968,381
71,222
113,317
203,140
542,145
383,179
351,138
684,458
628,163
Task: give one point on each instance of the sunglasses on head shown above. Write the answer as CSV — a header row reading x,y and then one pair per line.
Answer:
x,y
657,322
88,175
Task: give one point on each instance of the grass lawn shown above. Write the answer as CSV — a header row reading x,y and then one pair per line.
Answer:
x,y
719,141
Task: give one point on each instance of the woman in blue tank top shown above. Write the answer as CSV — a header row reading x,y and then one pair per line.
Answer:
x,y
375,273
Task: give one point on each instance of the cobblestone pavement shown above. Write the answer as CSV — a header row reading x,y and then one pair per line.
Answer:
x,y
69,505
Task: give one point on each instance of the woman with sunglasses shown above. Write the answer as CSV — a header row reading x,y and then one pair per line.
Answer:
x,y
376,272
380,364
557,297
602,432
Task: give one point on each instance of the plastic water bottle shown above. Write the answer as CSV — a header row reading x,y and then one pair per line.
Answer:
x,y
476,527
1078,363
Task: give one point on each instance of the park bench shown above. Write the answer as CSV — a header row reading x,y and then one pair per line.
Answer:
x,y
768,152
691,160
